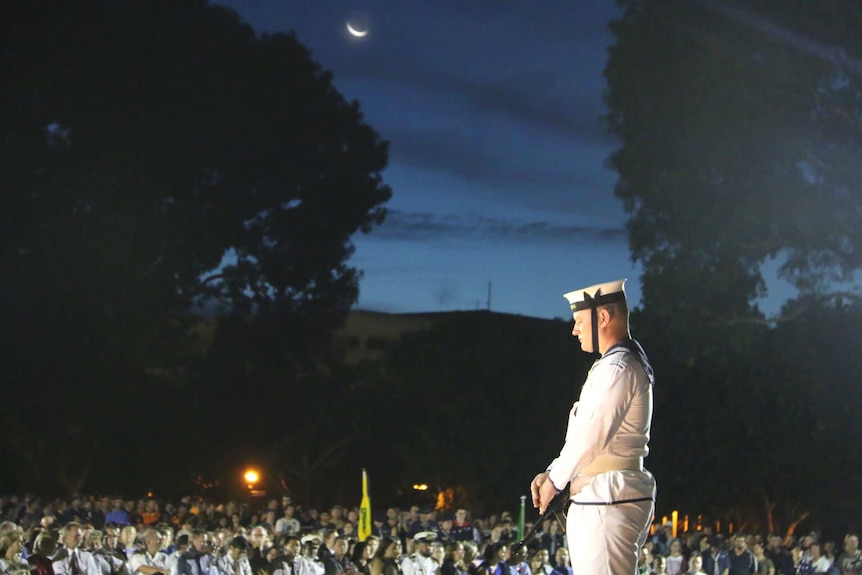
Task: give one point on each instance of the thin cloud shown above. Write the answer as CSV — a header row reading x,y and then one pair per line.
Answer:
x,y
422,227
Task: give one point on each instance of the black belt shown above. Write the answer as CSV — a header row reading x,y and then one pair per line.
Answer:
x,y
620,502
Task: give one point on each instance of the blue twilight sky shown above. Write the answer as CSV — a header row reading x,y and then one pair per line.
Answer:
x,y
492,109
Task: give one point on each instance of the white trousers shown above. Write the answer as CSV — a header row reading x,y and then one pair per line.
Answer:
x,y
606,539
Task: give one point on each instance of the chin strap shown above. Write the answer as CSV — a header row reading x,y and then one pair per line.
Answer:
x,y
593,304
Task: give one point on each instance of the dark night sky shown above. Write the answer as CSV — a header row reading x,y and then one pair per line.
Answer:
x,y
492,109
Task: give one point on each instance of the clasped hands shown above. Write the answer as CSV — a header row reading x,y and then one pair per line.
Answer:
x,y
543,491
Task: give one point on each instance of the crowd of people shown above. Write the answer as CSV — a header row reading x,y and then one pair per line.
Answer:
x,y
104,536
703,552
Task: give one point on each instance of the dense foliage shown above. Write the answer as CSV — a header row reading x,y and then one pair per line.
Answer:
x,y
741,131
156,156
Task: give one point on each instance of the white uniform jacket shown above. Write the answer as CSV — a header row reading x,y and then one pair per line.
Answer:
x,y
416,564
608,433
308,566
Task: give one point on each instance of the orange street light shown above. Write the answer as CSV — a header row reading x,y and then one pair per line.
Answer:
x,y
251,477
420,486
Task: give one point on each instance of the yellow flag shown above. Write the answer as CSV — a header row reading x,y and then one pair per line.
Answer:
x,y
364,527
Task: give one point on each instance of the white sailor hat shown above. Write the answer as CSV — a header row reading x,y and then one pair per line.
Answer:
x,y
310,538
594,296
425,537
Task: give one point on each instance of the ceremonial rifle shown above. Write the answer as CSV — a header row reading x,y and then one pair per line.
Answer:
x,y
557,504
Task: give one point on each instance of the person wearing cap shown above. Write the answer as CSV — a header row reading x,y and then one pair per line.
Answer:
x,y
601,462
309,563
420,561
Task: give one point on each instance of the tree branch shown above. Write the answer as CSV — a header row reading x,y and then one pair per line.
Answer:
x,y
800,310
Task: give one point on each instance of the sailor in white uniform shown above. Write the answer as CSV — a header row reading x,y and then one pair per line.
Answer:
x,y
601,462
420,561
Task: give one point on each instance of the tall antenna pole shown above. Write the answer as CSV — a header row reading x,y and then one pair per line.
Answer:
x,y
489,296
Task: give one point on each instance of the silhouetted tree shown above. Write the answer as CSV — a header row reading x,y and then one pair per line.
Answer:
x,y
155,155
740,138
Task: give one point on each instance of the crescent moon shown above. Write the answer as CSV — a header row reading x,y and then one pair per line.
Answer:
x,y
354,32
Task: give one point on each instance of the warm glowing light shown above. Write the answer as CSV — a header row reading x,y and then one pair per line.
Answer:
x,y
675,520
420,486
251,476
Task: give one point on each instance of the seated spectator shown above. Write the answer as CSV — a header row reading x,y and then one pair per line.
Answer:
x,y
234,561
661,539
151,514
462,526
309,563
149,560
118,514
385,561
128,540
540,562
695,564
765,566
288,524
104,551
849,561
11,546
801,561
453,559
197,559
284,563
338,561
562,565
71,560
675,563
517,561
552,537
43,549
644,561
438,554
819,562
